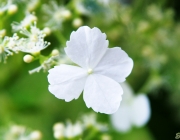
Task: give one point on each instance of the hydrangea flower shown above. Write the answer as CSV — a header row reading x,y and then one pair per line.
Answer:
x,y
101,68
134,110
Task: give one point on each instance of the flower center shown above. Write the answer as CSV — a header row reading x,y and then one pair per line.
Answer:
x,y
90,71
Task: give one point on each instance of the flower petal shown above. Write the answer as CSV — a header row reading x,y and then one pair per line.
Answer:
x,y
67,82
102,94
115,64
140,110
86,46
121,119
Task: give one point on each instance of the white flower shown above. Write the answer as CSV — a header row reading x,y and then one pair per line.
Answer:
x,y
26,22
80,7
101,68
68,131
90,120
134,110
35,135
56,14
34,42
73,130
8,45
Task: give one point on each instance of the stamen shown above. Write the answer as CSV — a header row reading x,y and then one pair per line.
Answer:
x,y
90,71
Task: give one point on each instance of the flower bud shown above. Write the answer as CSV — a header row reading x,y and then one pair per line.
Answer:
x,y
55,52
66,14
28,58
2,33
77,22
59,129
47,30
12,9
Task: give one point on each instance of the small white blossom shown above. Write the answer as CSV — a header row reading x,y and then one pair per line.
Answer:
x,y
26,22
16,130
47,30
80,7
73,130
34,42
57,15
12,9
8,45
13,42
90,120
35,135
19,132
134,110
101,68
68,131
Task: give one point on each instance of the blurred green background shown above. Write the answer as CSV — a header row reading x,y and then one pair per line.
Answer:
x,y
149,31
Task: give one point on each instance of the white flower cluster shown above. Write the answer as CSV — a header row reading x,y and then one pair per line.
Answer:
x,y
18,132
57,14
90,120
32,43
8,45
100,72
70,131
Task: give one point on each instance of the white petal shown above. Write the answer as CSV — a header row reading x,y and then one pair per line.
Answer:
x,y
86,46
115,64
140,110
102,94
67,82
121,119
